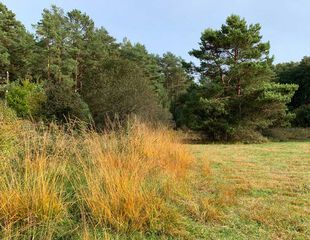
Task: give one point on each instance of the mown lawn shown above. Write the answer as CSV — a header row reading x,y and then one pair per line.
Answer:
x,y
268,185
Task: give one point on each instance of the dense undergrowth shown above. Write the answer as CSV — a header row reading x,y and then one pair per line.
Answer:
x,y
59,183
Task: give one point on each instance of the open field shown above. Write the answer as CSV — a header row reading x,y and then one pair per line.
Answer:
x,y
272,185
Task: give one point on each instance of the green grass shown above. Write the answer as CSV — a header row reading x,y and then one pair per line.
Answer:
x,y
272,189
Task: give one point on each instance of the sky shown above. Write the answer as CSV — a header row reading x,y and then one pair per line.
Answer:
x,y
176,25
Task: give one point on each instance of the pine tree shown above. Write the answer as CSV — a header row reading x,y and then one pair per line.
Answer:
x,y
57,56
176,80
16,45
235,70
81,31
53,38
150,64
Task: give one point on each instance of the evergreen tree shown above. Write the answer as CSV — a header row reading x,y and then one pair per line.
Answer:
x,y
236,72
297,73
81,32
53,37
16,45
176,80
58,52
150,64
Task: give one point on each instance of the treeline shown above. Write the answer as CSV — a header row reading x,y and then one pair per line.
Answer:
x,y
297,73
71,69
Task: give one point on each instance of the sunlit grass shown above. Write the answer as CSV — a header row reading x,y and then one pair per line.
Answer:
x,y
128,178
140,182
32,194
57,183
271,181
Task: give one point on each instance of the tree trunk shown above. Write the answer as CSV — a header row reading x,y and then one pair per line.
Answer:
x,y
238,87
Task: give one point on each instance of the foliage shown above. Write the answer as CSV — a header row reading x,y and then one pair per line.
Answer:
x,y
149,64
26,98
176,79
62,103
302,116
16,45
88,58
121,90
85,73
236,75
297,73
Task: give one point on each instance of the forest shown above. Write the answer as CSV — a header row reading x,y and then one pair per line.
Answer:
x,y
96,135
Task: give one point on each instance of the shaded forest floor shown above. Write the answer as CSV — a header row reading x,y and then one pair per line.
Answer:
x,y
268,186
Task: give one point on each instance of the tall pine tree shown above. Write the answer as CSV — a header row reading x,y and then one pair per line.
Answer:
x,y
239,97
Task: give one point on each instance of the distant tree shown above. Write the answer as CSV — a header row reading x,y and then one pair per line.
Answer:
x,y
61,43
53,38
16,45
100,48
302,118
176,80
120,90
235,70
150,64
81,32
297,73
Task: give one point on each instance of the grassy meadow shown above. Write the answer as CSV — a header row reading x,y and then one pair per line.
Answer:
x,y
142,182
270,183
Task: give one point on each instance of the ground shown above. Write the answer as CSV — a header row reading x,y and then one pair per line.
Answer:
x,y
267,186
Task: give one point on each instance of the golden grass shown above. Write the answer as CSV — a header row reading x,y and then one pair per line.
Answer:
x,y
130,175
31,189
136,182
125,181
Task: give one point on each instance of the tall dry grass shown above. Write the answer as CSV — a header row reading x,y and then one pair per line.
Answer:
x,y
32,193
130,176
55,183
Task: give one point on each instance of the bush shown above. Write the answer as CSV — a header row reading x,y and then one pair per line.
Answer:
x,y
302,118
63,103
26,98
248,135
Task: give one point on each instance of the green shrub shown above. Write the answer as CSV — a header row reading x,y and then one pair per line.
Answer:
x,y
63,103
26,99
